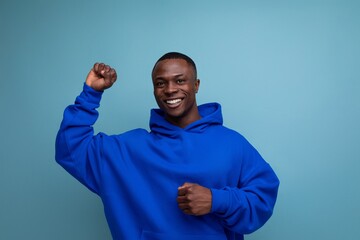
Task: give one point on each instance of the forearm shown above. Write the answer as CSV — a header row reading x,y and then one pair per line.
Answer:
x,y
245,209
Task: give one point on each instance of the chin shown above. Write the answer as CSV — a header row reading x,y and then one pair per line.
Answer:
x,y
175,115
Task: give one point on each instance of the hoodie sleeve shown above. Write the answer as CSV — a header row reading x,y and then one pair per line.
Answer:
x,y
247,207
76,148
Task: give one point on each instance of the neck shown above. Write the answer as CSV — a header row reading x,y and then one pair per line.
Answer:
x,y
182,122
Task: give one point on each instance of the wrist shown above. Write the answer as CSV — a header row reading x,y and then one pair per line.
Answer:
x,y
88,84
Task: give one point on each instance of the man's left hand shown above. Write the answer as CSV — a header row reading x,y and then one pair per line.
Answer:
x,y
194,199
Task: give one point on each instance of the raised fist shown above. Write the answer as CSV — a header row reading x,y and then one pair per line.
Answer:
x,y
101,77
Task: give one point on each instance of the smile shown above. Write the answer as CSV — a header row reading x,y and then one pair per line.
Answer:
x,y
173,102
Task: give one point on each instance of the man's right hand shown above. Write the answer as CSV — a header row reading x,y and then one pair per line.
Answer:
x,y
101,77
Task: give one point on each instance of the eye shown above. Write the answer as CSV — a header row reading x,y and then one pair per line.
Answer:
x,y
159,84
180,81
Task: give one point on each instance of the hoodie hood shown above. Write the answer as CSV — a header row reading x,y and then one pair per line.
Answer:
x,y
210,115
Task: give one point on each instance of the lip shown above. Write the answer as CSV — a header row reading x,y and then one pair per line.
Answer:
x,y
177,102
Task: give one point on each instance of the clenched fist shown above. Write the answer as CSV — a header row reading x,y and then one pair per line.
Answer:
x,y
194,199
101,77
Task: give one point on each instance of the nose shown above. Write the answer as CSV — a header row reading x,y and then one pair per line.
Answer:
x,y
171,88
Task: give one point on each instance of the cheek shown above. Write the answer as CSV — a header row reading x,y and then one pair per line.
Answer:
x,y
191,90
157,93
157,96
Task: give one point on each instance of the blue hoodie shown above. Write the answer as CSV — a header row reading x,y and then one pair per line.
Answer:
x,y
137,173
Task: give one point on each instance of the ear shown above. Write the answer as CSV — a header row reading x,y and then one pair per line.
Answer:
x,y
197,85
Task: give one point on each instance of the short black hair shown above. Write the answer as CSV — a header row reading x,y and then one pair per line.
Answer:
x,y
177,55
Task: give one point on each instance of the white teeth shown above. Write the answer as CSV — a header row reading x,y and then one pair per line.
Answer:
x,y
174,101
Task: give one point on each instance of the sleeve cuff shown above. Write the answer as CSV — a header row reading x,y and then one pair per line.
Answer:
x,y
92,95
220,200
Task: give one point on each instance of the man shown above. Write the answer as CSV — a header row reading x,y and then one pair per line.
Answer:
x,y
188,178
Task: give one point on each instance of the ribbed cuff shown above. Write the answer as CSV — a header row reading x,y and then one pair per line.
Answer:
x,y
92,95
220,200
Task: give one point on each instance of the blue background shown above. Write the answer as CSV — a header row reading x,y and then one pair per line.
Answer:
x,y
286,72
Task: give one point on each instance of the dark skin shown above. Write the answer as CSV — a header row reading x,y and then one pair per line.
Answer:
x,y
194,199
101,77
175,87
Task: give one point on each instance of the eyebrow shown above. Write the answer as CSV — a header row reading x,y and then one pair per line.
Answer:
x,y
162,78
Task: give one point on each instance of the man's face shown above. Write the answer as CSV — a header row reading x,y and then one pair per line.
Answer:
x,y
175,86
